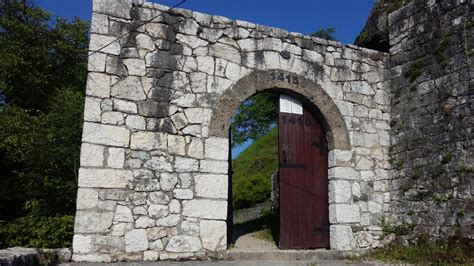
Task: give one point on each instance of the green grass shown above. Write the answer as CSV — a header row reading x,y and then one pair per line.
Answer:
x,y
446,252
253,169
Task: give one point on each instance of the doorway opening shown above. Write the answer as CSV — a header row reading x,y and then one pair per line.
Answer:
x,y
278,189
253,200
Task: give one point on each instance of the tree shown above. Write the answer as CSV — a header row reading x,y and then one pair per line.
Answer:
x,y
325,33
254,118
43,69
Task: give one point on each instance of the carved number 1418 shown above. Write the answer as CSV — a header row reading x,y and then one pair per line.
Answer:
x,y
285,78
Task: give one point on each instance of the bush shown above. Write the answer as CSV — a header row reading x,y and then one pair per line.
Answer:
x,y
43,232
251,190
37,231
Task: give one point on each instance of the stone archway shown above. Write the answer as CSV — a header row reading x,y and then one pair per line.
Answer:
x,y
309,91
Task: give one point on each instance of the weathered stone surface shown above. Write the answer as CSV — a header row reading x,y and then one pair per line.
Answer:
x,y
148,141
87,198
123,214
136,240
344,213
159,198
93,222
215,167
82,243
183,164
216,148
339,191
105,134
211,186
168,181
341,237
183,244
105,178
182,193
144,222
158,164
169,221
207,209
116,157
99,41
92,155
130,88
213,235
157,211
98,85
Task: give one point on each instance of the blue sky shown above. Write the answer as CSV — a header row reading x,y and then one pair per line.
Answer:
x,y
305,16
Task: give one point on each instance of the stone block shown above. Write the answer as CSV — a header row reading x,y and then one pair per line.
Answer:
x,y
211,186
98,85
148,141
207,209
160,164
99,41
89,222
343,173
225,51
215,167
123,214
135,122
169,221
82,243
180,193
130,88
341,237
213,235
183,244
124,106
158,211
136,240
196,149
92,110
91,257
105,178
135,66
339,191
113,118
176,145
344,213
216,148
159,197
168,181
92,155
144,222
120,9
87,198
105,134
116,157
183,164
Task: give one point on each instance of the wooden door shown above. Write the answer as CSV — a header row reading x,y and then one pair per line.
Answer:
x,y
303,157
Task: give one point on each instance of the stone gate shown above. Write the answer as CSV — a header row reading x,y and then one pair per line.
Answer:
x,y
154,160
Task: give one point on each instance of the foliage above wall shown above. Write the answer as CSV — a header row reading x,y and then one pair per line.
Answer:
x,y
43,69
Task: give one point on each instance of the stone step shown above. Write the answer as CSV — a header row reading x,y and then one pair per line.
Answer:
x,y
288,255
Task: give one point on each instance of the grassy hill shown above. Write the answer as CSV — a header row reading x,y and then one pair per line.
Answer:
x,y
253,168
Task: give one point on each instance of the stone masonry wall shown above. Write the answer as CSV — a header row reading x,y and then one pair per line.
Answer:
x,y
154,169
432,118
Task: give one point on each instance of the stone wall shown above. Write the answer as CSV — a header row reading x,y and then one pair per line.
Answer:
x,y
154,160
432,118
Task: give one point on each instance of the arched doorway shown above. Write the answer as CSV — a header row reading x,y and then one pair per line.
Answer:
x,y
330,134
